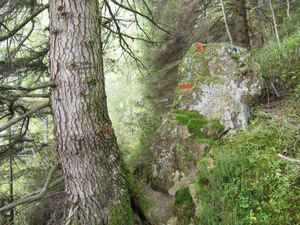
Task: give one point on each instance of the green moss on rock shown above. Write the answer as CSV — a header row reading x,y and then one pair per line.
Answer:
x,y
181,119
235,56
194,127
121,212
197,125
225,83
136,193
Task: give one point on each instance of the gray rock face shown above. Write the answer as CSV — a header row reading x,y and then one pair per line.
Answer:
x,y
226,82
175,155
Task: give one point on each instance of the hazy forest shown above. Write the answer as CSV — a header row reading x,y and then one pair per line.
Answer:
x,y
149,112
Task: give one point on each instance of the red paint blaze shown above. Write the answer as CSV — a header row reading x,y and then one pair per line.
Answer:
x,y
186,86
201,46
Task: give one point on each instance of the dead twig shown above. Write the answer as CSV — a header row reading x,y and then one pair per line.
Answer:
x,y
288,159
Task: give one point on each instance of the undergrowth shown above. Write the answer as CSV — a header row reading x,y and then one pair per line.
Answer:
x,y
243,181
184,207
280,64
139,162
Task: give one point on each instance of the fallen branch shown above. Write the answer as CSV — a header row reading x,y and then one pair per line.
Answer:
x,y
276,92
33,196
289,159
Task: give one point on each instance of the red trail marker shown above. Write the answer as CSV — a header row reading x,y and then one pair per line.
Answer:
x,y
201,46
185,86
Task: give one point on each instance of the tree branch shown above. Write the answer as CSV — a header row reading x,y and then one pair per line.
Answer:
x,y
35,109
20,88
121,38
142,15
289,159
16,29
131,37
226,22
36,195
26,95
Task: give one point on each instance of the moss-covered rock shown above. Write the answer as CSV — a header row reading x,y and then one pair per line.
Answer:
x,y
175,154
225,82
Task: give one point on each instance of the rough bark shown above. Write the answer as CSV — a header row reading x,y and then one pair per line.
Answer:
x,y
86,144
241,25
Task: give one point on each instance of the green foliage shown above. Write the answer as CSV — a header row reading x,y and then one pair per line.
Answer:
x,y
235,56
135,191
202,129
282,64
243,181
148,123
194,126
184,207
122,212
187,115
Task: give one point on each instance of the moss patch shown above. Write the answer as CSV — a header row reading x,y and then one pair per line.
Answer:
x,y
121,213
184,115
235,56
137,196
197,125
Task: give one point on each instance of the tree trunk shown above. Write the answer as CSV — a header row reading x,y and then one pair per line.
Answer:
x,y
11,184
226,22
274,21
288,10
88,152
241,25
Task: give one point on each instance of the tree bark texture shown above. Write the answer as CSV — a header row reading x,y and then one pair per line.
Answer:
x,y
241,24
85,141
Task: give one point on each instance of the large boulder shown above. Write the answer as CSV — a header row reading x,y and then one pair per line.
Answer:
x,y
225,83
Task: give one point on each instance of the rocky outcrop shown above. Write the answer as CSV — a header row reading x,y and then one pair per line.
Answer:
x,y
222,83
225,82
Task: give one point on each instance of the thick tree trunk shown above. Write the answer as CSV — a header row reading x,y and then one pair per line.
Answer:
x,y
241,25
86,144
